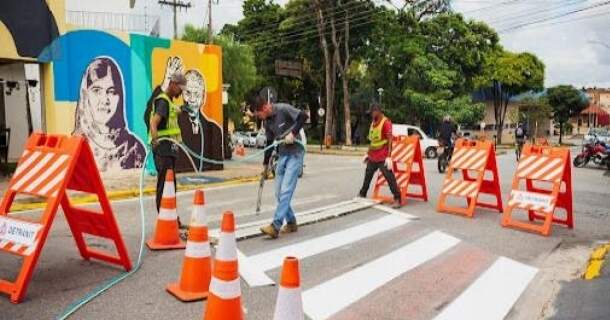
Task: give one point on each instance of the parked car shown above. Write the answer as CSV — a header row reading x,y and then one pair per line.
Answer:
x,y
427,144
248,139
237,138
261,139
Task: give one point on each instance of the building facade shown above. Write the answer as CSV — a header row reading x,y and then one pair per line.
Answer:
x,y
99,84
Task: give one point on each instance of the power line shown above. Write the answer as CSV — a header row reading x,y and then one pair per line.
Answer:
x,y
531,14
519,26
283,42
592,16
303,35
306,18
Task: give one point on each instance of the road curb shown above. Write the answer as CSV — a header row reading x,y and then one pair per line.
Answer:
x,y
130,193
596,262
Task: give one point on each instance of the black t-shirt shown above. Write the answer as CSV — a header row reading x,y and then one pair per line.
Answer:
x,y
162,109
446,132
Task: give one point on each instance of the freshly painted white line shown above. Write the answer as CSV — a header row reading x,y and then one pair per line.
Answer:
x,y
493,294
328,298
397,212
251,273
272,259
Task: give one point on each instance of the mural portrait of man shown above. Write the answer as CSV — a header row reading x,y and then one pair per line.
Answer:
x,y
198,133
100,117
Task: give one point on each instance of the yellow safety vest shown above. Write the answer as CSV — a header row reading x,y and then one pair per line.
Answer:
x,y
376,135
173,129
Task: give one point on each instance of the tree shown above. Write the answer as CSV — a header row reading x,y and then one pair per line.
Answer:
x,y
506,75
420,9
427,68
566,102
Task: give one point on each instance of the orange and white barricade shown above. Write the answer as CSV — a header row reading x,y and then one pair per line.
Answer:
x,y
408,167
547,176
471,157
50,166
541,141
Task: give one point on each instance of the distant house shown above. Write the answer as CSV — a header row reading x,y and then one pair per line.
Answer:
x,y
597,114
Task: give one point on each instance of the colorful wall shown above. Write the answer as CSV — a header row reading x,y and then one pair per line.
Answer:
x,y
100,84
28,26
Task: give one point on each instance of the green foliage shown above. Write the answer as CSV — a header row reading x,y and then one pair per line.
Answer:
x,y
515,72
566,102
427,68
238,67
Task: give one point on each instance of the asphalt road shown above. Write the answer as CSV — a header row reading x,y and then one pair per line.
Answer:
x,y
421,292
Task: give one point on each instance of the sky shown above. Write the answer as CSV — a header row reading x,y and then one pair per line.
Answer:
x,y
575,48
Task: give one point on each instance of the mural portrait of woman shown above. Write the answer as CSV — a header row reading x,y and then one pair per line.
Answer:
x,y
100,117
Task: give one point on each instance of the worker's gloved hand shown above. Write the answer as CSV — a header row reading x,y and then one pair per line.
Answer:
x,y
365,158
388,163
289,139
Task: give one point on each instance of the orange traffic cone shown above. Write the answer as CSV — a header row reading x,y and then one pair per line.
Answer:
x,y
224,299
197,267
289,305
167,235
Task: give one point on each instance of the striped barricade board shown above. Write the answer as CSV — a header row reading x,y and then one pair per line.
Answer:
x,y
49,166
470,157
408,168
547,174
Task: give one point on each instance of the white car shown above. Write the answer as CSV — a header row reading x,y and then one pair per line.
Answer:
x,y
427,144
261,139
250,139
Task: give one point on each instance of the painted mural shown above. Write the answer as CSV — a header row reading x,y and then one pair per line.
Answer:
x,y
24,33
104,83
100,117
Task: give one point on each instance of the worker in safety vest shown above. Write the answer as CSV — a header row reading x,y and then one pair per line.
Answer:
x,y
164,124
378,156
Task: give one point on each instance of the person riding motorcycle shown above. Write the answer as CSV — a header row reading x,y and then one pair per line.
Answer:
x,y
447,133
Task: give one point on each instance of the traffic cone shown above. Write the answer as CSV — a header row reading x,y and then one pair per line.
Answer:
x,y
167,235
289,305
224,299
197,267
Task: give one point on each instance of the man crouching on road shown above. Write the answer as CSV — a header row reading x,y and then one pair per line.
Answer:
x,y
282,121
378,156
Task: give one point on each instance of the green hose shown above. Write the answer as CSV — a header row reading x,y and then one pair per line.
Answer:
x,y
72,308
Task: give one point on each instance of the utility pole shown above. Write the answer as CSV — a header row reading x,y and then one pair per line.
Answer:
x,y
175,4
210,33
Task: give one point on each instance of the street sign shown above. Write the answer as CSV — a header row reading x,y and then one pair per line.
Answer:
x,y
289,69
321,112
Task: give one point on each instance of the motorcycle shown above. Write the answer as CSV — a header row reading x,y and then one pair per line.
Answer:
x,y
445,153
595,151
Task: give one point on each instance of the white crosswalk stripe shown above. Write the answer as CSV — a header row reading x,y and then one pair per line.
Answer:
x,y
491,292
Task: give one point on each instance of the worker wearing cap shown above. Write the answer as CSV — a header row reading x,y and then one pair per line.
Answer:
x,y
164,124
378,155
282,122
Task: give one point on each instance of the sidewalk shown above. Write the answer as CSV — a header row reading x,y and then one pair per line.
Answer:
x,y
126,184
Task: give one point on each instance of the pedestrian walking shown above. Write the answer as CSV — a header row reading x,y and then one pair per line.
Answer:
x,y
378,156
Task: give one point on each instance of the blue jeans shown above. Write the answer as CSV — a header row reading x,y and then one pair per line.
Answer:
x,y
286,176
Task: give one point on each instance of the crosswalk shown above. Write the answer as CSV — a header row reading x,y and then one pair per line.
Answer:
x,y
427,274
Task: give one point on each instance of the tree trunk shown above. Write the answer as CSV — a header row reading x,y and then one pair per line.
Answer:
x,y
327,68
343,69
560,133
